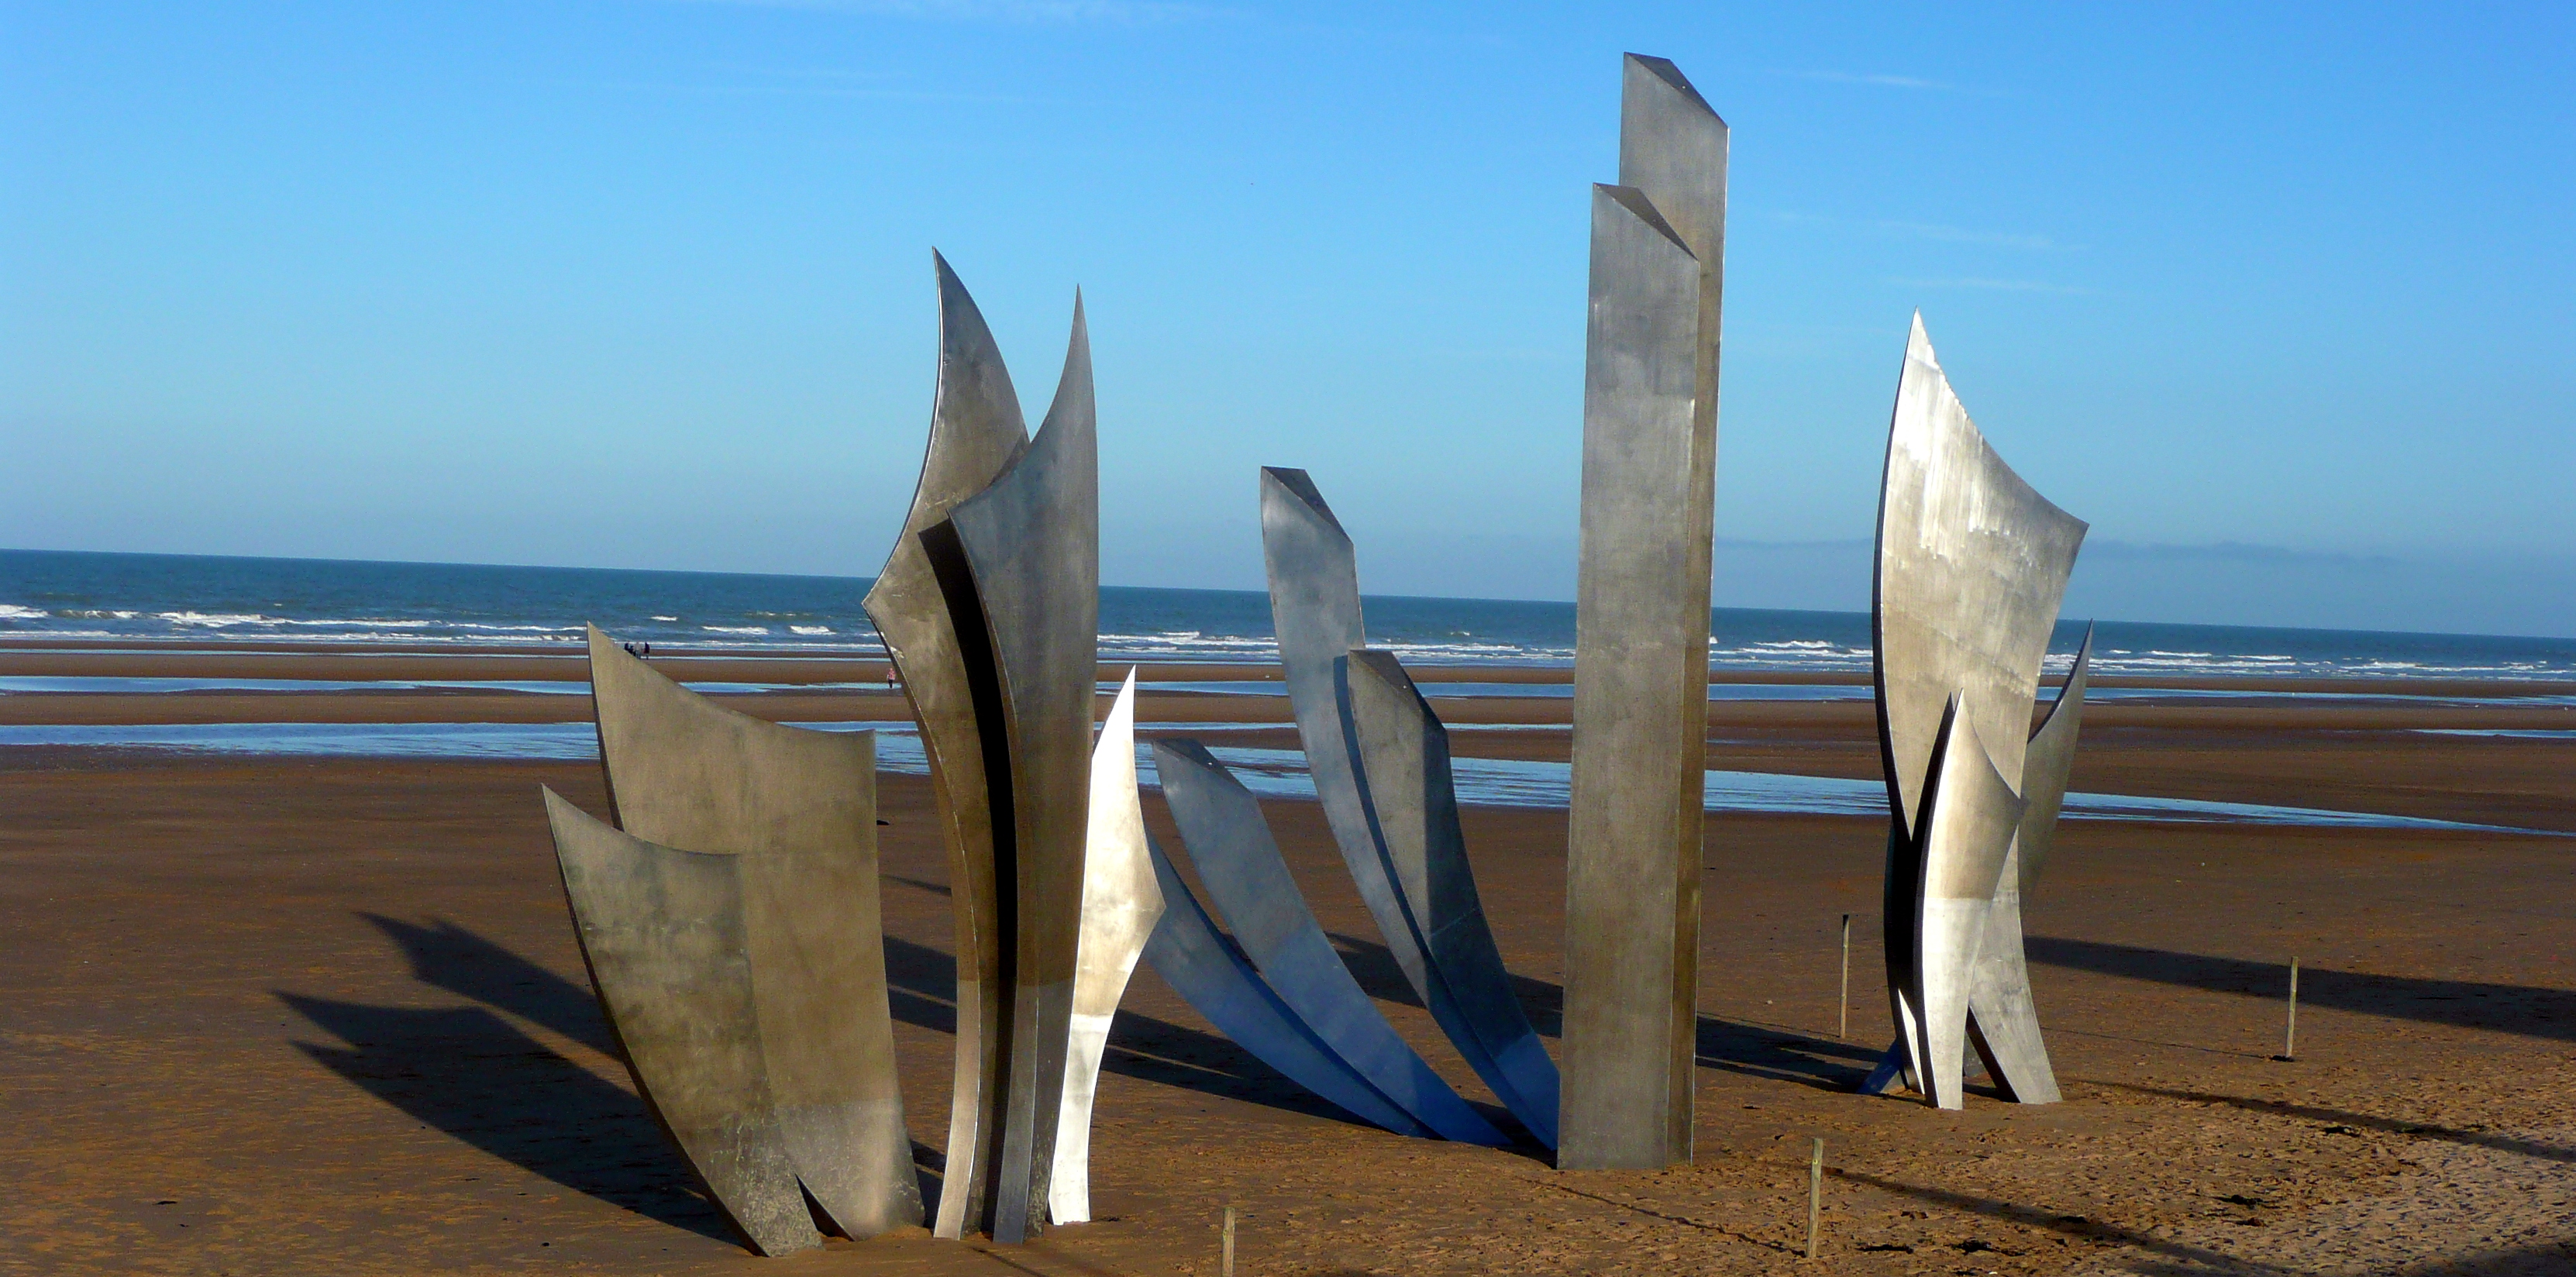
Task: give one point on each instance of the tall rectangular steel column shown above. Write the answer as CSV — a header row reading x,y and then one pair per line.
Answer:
x,y
1641,632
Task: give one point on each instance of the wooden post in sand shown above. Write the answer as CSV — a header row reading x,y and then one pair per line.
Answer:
x,y
1228,1251
1842,1012
2290,1040
1815,1195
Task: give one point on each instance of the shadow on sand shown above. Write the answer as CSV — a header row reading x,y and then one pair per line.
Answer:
x,y
1728,1045
469,1071
2549,1014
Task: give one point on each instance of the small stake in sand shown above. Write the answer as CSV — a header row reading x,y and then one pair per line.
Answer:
x,y
1229,1242
1815,1195
2290,1041
1842,1016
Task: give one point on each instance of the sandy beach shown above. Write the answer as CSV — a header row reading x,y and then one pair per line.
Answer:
x,y
287,1015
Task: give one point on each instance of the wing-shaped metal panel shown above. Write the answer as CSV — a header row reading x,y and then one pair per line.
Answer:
x,y
2003,1018
1121,903
1640,702
1228,839
1032,543
1211,974
798,808
1315,602
1315,611
1968,831
924,607
662,933
1402,755
1972,564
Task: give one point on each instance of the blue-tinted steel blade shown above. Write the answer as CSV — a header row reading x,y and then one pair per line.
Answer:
x,y
1401,755
1218,982
1228,839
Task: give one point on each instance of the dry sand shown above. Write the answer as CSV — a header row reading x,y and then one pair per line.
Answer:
x,y
283,1016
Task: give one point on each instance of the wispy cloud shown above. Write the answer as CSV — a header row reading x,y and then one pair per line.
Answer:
x,y
1956,235
1941,234
1888,82
1996,285
849,92
1035,12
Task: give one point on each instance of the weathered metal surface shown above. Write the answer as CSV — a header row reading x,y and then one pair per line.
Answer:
x,y
662,933
1968,824
1972,566
1402,755
1315,612
1239,863
2003,1017
798,808
1031,542
1641,632
1121,903
2047,764
1210,973
1315,606
926,610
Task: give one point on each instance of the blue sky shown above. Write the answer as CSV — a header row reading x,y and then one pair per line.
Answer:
x,y
2280,299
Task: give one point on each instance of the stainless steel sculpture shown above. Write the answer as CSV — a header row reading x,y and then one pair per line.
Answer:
x,y
797,809
1958,857
1239,863
1031,543
2003,1019
1121,904
1402,751
990,608
924,607
1972,565
1379,759
662,932
1211,974
1641,627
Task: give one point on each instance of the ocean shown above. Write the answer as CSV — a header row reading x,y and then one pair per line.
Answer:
x,y
212,601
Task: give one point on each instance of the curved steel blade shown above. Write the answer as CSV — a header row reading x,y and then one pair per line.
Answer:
x,y
1031,543
662,933
1968,824
1401,753
1212,975
2003,1018
1121,903
924,607
1221,823
798,809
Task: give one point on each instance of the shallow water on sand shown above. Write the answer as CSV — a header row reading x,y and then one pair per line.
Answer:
x,y
1277,773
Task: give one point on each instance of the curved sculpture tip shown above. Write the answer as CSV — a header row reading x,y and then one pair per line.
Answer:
x,y
1073,403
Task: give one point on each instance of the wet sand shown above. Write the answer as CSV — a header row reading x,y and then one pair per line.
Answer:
x,y
326,1016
